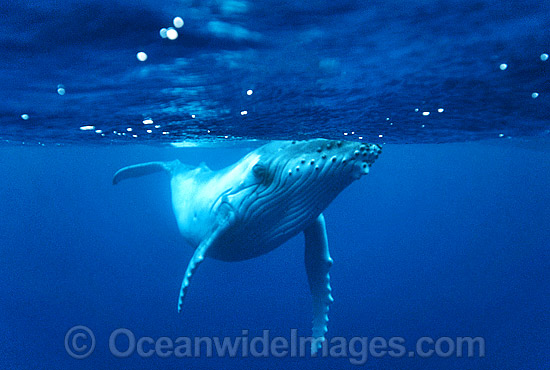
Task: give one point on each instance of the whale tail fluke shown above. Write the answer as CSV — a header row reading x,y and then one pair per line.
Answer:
x,y
143,169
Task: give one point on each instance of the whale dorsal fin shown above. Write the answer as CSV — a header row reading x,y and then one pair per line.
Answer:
x,y
203,166
145,169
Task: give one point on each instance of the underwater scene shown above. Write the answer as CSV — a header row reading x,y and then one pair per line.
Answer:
x,y
228,184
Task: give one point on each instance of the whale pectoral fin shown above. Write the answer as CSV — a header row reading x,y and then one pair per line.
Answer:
x,y
144,169
196,260
318,263
225,221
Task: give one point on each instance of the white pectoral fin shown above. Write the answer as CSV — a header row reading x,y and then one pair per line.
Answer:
x,y
318,263
196,260
199,255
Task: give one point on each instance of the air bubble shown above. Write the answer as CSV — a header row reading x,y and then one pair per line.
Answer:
x,y
141,56
171,33
178,22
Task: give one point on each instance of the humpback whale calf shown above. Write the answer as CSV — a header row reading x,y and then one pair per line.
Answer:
x,y
253,206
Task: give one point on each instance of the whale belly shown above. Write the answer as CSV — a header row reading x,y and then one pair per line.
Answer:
x,y
259,236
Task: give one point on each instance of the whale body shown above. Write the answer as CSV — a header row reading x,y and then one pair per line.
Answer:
x,y
269,196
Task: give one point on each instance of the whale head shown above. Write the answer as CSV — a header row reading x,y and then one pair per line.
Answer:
x,y
310,171
289,169
285,185
317,160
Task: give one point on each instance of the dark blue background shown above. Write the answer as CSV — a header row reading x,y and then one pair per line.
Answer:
x,y
439,240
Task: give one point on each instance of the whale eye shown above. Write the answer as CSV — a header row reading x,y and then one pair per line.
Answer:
x,y
259,171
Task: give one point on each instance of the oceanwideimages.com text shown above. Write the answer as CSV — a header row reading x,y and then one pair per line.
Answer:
x,y
80,343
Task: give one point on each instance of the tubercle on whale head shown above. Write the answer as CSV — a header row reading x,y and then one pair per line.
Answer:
x,y
345,157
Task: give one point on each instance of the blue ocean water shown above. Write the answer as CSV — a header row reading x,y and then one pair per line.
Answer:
x,y
439,240
446,237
